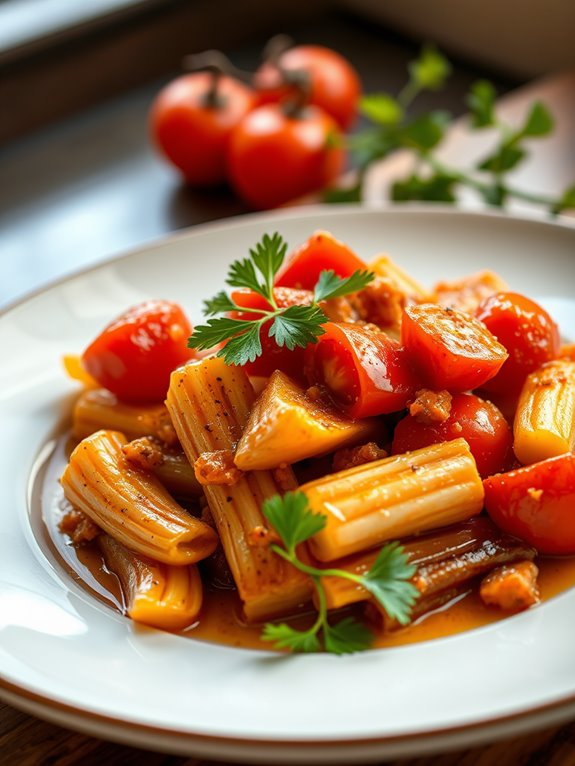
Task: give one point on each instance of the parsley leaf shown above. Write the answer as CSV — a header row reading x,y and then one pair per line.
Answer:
x,y
387,581
290,326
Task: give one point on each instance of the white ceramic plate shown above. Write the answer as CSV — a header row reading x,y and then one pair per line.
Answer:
x,y
70,659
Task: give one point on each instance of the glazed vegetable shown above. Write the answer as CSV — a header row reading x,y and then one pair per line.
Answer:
x,y
135,354
365,372
477,421
528,333
467,293
132,506
286,426
449,348
385,267
394,497
536,503
290,327
545,419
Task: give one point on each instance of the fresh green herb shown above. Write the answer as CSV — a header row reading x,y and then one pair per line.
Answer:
x,y
290,327
391,127
387,581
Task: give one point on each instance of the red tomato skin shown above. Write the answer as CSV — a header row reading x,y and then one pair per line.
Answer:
x,y
364,372
135,354
335,85
321,252
448,348
274,158
273,357
536,503
528,333
192,135
479,422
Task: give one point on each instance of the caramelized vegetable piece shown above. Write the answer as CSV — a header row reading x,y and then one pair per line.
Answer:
x,y
384,266
446,560
544,424
394,497
209,403
131,505
285,426
74,369
159,595
321,252
512,587
467,293
169,465
100,409
450,349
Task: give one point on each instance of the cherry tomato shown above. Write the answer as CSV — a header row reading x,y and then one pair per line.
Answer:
x,y
135,354
480,423
536,503
528,333
273,357
321,252
191,124
275,157
365,372
334,83
449,348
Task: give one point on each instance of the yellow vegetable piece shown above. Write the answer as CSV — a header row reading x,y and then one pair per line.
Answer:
x,y
544,423
75,370
159,595
394,497
285,426
383,266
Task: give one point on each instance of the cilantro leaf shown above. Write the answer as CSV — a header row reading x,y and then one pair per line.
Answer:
x,y
387,581
219,304
346,637
430,70
329,285
285,637
292,518
298,326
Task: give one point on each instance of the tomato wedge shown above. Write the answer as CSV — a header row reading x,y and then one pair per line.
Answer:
x,y
449,348
273,357
321,252
536,503
135,354
479,422
365,372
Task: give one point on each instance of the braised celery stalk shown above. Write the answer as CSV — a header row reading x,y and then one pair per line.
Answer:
x,y
544,423
209,403
285,425
132,505
155,594
394,497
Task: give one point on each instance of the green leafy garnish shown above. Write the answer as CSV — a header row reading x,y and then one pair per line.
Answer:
x,y
387,581
290,327
391,126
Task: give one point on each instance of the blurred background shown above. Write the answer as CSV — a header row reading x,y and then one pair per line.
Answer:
x,y
79,178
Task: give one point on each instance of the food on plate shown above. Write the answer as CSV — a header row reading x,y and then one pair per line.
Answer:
x,y
343,502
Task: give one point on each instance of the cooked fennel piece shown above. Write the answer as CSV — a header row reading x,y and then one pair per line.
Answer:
x,y
98,409
170,465
447,561
394,497
209,403
285,426
544,423
155,594
385,267
132,505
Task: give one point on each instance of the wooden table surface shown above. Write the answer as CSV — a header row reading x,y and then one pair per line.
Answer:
x,y
90,187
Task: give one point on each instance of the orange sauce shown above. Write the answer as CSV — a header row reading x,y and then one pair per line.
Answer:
x,y
221,621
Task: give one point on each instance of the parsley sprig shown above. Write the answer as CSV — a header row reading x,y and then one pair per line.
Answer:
x,y
290,327
387,581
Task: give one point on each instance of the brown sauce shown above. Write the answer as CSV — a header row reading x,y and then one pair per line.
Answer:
x,y
220,620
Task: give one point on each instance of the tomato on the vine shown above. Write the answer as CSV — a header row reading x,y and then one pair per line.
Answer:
x,y
135,354
334,84
278,153
191,122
